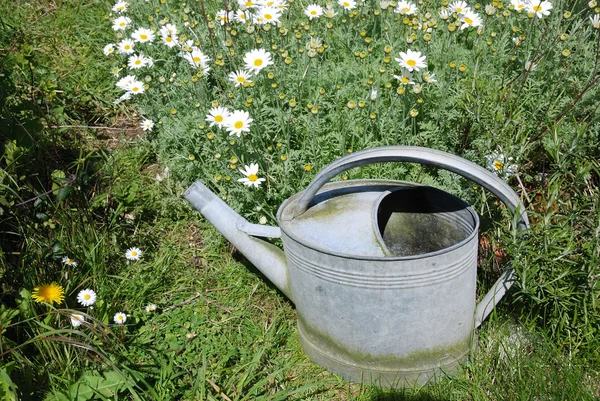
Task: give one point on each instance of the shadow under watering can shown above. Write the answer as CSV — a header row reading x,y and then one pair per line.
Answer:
x,y
382,272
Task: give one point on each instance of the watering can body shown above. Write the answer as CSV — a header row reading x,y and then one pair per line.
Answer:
x,y
382,273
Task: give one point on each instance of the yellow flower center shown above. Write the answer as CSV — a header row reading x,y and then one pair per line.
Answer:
x,y
537,8
258,62
468,20
133,253
238,124
521,6
459,9
346,4
138,62
249,4
411,63
241,79
69,261
405,80
196,59
406,9
252,177
127,47
122,24
313,12
168,39
268,16
498,165
86,296
143,36
218,118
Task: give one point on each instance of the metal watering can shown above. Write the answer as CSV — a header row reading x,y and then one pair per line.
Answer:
x,y
382,272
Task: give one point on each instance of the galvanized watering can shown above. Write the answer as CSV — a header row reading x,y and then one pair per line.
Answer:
x,y
382,272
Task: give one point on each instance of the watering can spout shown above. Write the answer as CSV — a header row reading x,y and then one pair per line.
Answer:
x,y
268,258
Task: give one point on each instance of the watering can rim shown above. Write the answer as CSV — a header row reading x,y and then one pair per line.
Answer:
x,y
394,184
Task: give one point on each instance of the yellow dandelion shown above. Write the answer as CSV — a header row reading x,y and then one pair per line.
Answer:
x,y
49,293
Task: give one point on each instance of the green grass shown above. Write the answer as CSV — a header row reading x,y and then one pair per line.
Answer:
x,y
221,331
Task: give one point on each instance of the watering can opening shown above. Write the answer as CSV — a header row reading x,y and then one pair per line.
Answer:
x,y
415,220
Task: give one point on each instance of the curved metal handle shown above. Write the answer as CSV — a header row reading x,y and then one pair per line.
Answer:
x,y
436,158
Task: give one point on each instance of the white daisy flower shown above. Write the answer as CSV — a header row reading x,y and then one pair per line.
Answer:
x,y
257,59
150,308
245,4
313,11
444,13
459,7
77,319
405,78
224,17
121,23
147,125
470,19
595,20
501,165
123,97
405,8
242,16
115,71
267,15
191,335
347,4
126,46
251,178
109,49
373,94
330,12
490,9
238,122
429,77
125,82
133,253
217,116
272,3
240,77
412,61
69,262
143,35
197,59
120,7
169,40
518,5
539,8
120,318
134,62
314,43
86,297
137,87
170,28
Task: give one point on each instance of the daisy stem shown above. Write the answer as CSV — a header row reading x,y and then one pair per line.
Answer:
x,y
122,333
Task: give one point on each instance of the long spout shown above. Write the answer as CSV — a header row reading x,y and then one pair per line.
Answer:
x,y
268,258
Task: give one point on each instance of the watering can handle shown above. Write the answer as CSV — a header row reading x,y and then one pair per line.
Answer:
x,y
436,158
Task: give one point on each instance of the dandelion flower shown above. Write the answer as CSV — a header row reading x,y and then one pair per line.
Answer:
x,y
150,308
240,77
147,125
143,35
595,21
539,8
69,262
121,23
133,253
125,46
86,297
257,59
77,319
108,49
251,178
120,7
217,116
519,5
405,8
459,7
238,122
412,61
347,4
120,318
313,11
49,293
470,19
